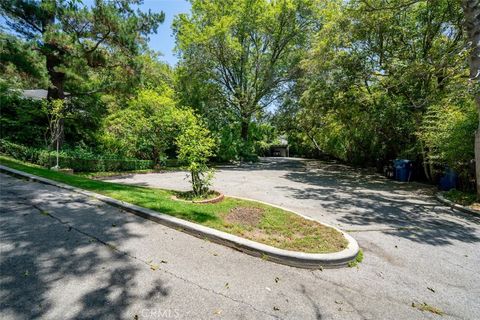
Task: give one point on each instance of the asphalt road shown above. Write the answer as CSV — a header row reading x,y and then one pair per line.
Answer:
x,y
66,256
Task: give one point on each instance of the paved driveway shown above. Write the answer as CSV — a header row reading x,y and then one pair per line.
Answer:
x,y
66,256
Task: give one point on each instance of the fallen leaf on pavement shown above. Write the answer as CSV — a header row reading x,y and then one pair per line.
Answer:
x,y
425,307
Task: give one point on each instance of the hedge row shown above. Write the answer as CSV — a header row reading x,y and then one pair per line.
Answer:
x,y
48,159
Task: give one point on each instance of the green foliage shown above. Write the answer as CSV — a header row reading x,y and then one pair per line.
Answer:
x,y
74,37
462,198
26,121
245,52
83,47
79,159
371,75
20,66
358,259
195,147
364,82
147,127
448,134
229,143
263,136
22,120
56,112
19,152
98,164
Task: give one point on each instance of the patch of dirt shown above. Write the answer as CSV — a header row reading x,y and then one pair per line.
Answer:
x,y
475,206
255,235
245,215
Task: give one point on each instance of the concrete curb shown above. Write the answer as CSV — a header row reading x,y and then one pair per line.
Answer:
x,y
286,257
439,196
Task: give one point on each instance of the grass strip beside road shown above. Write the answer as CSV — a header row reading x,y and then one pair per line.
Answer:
x,y
468,199
273,226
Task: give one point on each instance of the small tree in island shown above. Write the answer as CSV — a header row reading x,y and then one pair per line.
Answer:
x,y
195,147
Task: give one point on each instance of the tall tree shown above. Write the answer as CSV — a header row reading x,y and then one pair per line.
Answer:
x,y
372,73
20,66
73,36
249,48
471,9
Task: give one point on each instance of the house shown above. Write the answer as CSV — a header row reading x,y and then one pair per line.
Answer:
x,y
281,149
37,94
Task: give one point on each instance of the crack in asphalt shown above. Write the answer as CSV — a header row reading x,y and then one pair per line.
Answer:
x,y
382,229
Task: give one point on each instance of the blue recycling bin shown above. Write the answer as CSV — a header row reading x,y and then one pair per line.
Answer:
x,y
449,180
403,169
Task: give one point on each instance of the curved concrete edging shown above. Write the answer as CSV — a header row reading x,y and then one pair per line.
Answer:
x,y
206,201
290,258
439,196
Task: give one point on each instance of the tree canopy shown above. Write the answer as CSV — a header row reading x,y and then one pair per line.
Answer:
x,y
249,49
361,81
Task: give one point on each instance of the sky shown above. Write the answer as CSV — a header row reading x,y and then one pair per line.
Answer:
x,y
163,41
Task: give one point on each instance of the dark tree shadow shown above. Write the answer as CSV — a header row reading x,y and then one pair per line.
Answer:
x,y
361,197
42,250
316,308
407,210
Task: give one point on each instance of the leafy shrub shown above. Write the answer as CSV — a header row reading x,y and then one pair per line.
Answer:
x,y
22,120
195,147
230,143
462,198
147,128
79,160
94,165
448,134
19,152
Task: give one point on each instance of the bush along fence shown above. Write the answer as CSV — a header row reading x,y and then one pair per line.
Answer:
x,y
72,160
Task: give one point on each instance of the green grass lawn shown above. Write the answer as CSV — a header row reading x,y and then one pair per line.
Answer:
x,y
275,227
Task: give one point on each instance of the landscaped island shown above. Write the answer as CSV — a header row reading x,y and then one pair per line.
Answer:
x,y
249,219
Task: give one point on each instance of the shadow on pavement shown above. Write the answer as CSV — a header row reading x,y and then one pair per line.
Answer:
x,y
360,197
407,210
42,254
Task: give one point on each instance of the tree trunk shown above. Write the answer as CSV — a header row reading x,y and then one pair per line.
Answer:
x,y
54,58
245,124
426,164
312,138
471,9
55,92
